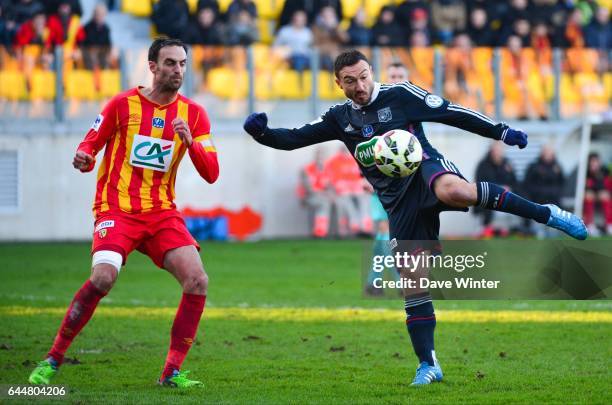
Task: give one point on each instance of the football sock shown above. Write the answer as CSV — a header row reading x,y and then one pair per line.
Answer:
x,y
494,197
588,211
79,313
183,331
421,322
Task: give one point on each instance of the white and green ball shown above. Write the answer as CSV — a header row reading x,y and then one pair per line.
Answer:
x,y
398,153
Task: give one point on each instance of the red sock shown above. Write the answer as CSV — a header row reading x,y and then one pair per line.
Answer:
x,y
607,207
79,312
588,210
184,331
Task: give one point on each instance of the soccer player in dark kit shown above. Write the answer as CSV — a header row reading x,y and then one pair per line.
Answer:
x,y
413,203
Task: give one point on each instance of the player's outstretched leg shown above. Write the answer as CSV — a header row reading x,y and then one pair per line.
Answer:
x,y
185,264
421,322
79,313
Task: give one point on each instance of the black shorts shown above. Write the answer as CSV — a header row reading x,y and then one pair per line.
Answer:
x,y
416,215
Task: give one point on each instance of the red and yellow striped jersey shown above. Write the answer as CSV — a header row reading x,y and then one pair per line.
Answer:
x,y
142,155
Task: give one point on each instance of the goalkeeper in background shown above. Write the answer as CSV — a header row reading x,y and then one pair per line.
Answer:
x,y
413,203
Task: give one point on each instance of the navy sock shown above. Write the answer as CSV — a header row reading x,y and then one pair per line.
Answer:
x,y
421,322
494,197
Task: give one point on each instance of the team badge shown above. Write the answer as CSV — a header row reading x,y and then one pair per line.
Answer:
x,y
367,130
384,115
102,233
433,101
158,122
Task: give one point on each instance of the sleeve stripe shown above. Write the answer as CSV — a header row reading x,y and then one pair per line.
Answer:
x,y
201,137
415,88
454,107
410,90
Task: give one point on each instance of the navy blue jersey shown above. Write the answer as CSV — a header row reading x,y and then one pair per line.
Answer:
x,y
400,106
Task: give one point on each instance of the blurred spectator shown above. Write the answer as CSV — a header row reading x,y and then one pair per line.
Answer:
x,y
522,89
386,32
242,29
97,42
542,47
404,14
311,7
544,180
52,6
297,38
8,27
359,34
597,195
598,34
479,30
520,28
352,201
462,83
24,10
210,4
236,7
328,36
558,22
447,17
573,31
204,29
316,194
419,28
171,17
495,11
543,10
495,168
72,32
40,31
397,72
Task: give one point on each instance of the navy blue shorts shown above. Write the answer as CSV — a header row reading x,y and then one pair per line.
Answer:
x,y
416,216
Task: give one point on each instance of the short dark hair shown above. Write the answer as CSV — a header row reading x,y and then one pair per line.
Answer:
x,y
163,42
397,64
348,58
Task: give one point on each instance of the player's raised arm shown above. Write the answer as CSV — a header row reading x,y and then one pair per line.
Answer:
x,y
199,144
318,131
430,107
98,135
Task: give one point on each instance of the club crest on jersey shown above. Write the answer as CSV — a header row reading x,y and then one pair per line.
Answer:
x,y
384,114
151,153
367,130
158,122
102,233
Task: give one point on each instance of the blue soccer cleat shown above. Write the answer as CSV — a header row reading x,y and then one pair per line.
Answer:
x,y
566,222
426,374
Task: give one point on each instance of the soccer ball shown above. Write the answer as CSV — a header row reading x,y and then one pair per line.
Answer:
x,y
397,153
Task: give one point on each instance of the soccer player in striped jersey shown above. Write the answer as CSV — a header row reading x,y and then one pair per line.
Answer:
x,y
412,203
145,132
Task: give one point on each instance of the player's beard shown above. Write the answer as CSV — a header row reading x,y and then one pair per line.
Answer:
x,y
172,84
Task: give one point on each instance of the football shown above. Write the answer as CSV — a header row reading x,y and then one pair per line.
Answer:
x,y
398,153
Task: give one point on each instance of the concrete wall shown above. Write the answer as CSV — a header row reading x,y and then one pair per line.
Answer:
x,y
56,199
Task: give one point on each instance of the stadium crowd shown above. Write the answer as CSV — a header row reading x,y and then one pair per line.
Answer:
x,y
537,23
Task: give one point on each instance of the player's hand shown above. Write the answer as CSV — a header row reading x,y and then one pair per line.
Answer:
x,y
514,137
82,161
255,124
182,129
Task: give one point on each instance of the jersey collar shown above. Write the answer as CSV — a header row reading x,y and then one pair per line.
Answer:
x,y
372,99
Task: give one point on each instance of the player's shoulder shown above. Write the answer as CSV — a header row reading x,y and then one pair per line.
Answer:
x,y
191,103
405,88
338,109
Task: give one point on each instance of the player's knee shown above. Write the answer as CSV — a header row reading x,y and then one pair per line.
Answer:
x,y
103,276
197,283
457,194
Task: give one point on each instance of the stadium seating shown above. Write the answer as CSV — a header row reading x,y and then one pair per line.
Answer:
x,y
109,83
80,85
13,85
138,8
42,85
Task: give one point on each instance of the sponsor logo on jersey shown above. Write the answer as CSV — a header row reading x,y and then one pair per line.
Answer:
x,y
367,130
96,125
384,115
134,119
151,153
349,128
364,152
158,122
433,101
105,224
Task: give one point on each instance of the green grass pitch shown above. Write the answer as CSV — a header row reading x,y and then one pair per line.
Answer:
x,y
278,328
